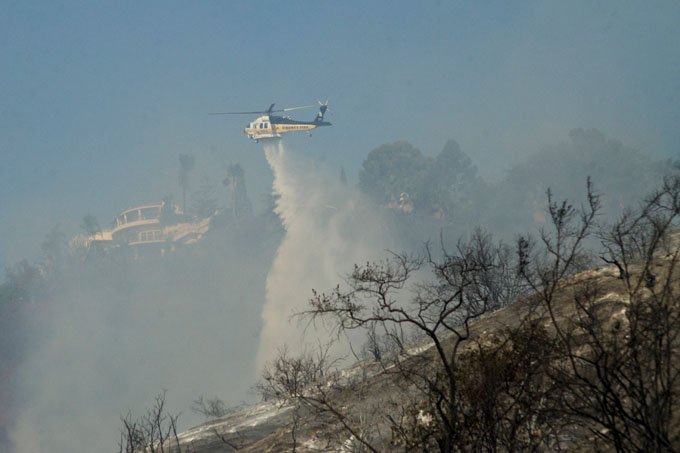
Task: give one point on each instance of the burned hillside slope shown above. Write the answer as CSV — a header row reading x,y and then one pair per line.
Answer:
x,y
490,347
512,383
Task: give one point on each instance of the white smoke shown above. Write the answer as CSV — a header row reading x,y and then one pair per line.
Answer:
x,y
328,230
125,332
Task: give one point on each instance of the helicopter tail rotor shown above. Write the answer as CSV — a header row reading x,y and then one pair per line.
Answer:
x,y
323,107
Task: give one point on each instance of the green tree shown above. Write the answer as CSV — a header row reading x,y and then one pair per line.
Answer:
x,y
621,172
90,225
21,281
394,169
53,249
452,180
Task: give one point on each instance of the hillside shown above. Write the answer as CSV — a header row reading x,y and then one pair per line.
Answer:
x,y
368,385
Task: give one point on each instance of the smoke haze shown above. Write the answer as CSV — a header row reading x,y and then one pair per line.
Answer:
x,y
97,101
120,332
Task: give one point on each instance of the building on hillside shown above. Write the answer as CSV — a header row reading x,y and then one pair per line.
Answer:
x,y
149,228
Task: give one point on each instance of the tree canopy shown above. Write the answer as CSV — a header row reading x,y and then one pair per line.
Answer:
x,y
394,172
393,169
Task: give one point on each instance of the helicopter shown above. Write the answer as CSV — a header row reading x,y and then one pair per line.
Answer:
x,y
269,127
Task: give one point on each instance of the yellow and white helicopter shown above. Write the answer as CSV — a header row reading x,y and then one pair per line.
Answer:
x,y
272,127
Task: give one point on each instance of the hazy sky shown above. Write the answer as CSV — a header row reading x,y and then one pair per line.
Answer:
x,y
97,99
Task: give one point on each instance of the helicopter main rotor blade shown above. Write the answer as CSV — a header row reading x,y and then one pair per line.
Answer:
x,y
294,108
260,112
235,113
